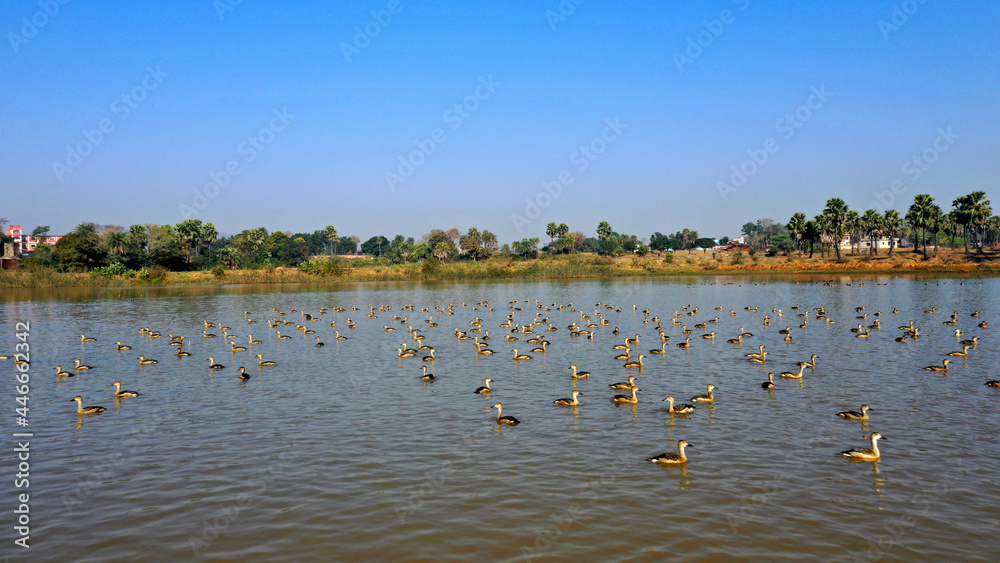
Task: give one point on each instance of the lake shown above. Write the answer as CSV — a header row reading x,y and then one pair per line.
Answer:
x,y
342,452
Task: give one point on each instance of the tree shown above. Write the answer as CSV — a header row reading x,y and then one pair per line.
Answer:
x,y
891,222
40,232
836,216
604,230
527,248
724,240
748,230
80,250
209,236
872,227
116,243
189,231
444,250
552,230
330,232
373,246
796,228
918,216
563,230
705,242
973,212
811,232
935,218
138,237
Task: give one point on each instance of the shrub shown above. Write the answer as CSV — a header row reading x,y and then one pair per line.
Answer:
x,y
219,272
737,258
431,266
156,273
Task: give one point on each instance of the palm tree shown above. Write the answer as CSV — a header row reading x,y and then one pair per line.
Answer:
x,y
811,232
330,232
117,243
873,226
604,230
796,227
891,222
935,218
443,250
836,217
918,216
853,227
552,229
973,211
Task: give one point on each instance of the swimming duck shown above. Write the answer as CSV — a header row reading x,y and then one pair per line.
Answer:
x,y
792,374
260,358
706,398
855,415
625,385
865,454
626,398
144,362
61,373
810,364
121,346
505,419
80,366
963,354
769,384
427,376
243,374
579,374
635,364
670,458
87,339
80,409
518,357
942,367
484,390
569,402
682,408
119,392
212,364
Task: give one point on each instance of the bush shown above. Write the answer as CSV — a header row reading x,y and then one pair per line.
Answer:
x,y
323,267
431,266
116,269
156,273
219,272
668,257
737,258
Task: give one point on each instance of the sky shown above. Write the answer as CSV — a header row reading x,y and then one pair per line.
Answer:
x,y
387,117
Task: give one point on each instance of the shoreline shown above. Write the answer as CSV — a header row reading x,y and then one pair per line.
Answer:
x,y
549,267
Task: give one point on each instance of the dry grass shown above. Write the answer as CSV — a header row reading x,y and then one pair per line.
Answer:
x,y
547,267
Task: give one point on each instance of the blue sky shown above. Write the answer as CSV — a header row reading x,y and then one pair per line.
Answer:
x,y
313,119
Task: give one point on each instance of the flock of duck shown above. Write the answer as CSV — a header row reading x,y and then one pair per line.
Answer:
x,y
521,325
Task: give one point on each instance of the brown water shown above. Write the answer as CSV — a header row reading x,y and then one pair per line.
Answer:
x,y
343,453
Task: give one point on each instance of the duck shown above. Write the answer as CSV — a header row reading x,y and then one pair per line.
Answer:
x,y
762,359
80,366
686,343
283,336
769,384
862,334
84,338
963,354
213,365
758,354
485,351
625,385
408,353
866,454
388,328
501,419
855,415
144,362
262,362
252,341
427,376
182,354
737,340
970,342
519,357
61,373
485,390
682,408
339,337
810,364
709,336
671,458
942,367
243,374
992,383
792,374
572,402
319,342
635,364
662,350
80,409
121,346
430,357
626,398
579,374
706,398
237,348
119,392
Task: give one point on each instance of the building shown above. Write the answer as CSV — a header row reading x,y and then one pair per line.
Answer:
x,y
866,244
28,243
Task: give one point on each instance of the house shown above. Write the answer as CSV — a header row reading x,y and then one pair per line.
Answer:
x,y
28,243
866,244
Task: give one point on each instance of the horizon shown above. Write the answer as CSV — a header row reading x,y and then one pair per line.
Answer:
x,y
389,118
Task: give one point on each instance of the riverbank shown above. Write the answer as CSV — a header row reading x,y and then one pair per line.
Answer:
x,y
547,267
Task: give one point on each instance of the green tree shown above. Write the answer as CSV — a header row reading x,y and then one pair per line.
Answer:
x,y
330,232
836,217
891,222
552,230
918,216
189,232
604,230
374,245
973,213
796,228
527,247
445,250
41,231
872,227
116,243
811,232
